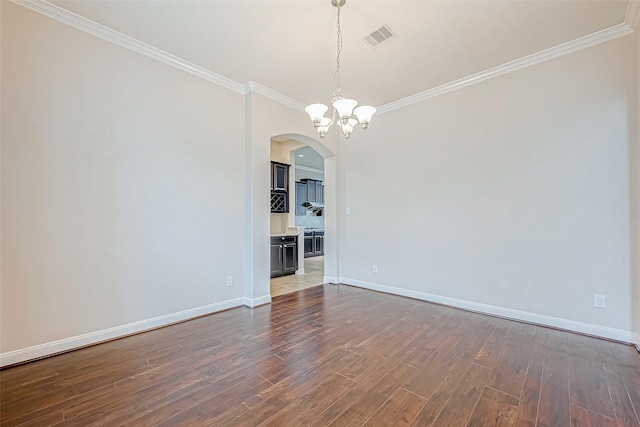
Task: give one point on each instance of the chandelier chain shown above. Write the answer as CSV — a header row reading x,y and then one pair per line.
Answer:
x,y
336,77
344,115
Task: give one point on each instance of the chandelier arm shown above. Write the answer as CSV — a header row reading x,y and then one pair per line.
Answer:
x,y
330,126
333,121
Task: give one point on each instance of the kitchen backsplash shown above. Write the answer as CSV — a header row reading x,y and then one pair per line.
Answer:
x,y
310,221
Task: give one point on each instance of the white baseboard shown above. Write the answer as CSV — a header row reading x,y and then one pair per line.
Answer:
x,y
84,340
255,302
540,319
79,341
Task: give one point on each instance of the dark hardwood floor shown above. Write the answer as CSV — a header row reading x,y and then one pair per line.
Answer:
x,y
333,355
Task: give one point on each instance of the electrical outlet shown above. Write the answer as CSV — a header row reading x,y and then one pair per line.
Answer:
x,y
229,281
375,268
599,301
348,211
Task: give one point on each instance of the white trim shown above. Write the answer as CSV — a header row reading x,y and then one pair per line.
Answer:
x,y
81,23
540,319
106,33
633,14
255,302
330,279
594,39
274,95
637,342
90,338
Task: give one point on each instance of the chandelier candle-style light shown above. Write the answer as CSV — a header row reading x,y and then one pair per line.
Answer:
x,y
343,109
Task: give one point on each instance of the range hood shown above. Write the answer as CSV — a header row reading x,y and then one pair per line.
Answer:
x,y
313,206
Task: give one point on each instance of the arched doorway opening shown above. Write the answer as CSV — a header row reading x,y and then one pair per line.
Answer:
x,y
310,217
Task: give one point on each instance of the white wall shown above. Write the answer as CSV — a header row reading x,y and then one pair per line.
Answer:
x,y
268,119
281,150
634,163
122,187
512,193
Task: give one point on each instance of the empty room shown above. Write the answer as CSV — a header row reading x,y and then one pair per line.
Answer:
x,y
320,212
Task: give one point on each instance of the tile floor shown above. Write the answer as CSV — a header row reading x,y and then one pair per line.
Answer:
x,y
314,271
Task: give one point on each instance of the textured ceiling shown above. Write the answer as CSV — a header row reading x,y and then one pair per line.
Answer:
x,y
290,46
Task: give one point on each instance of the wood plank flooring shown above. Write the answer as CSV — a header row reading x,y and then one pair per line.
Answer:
x,y
333,355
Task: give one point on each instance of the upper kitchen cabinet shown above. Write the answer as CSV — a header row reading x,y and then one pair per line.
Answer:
x,y
315,190
279,187
301,198
279,176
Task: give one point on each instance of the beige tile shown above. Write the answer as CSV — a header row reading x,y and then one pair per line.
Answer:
x,y
314,271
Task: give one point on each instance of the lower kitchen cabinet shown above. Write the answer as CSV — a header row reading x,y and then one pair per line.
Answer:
x,y
308,243
318,247
313,243
284,255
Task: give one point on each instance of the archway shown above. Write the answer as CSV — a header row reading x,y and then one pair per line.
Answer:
x,y
292,142
321,148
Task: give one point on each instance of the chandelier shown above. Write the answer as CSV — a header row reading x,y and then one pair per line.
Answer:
x,y
344,109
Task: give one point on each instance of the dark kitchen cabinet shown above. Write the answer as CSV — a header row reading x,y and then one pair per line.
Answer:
x,y
319,192
313,243
318,245
315,190
279,187
308,244
279,176
311,191
279,202
276,258
284,255
289,258
301,198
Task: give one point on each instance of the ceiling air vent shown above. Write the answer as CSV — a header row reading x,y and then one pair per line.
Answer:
x,y
379,35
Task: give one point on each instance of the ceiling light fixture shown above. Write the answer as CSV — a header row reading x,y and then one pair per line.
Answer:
x,y
343,109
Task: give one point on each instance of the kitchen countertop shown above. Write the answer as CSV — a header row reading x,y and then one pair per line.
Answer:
x,y
283,234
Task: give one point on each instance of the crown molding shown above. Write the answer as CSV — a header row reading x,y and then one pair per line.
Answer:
x,y
60,14
633,14
45,8
81,23
594,39
254,87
